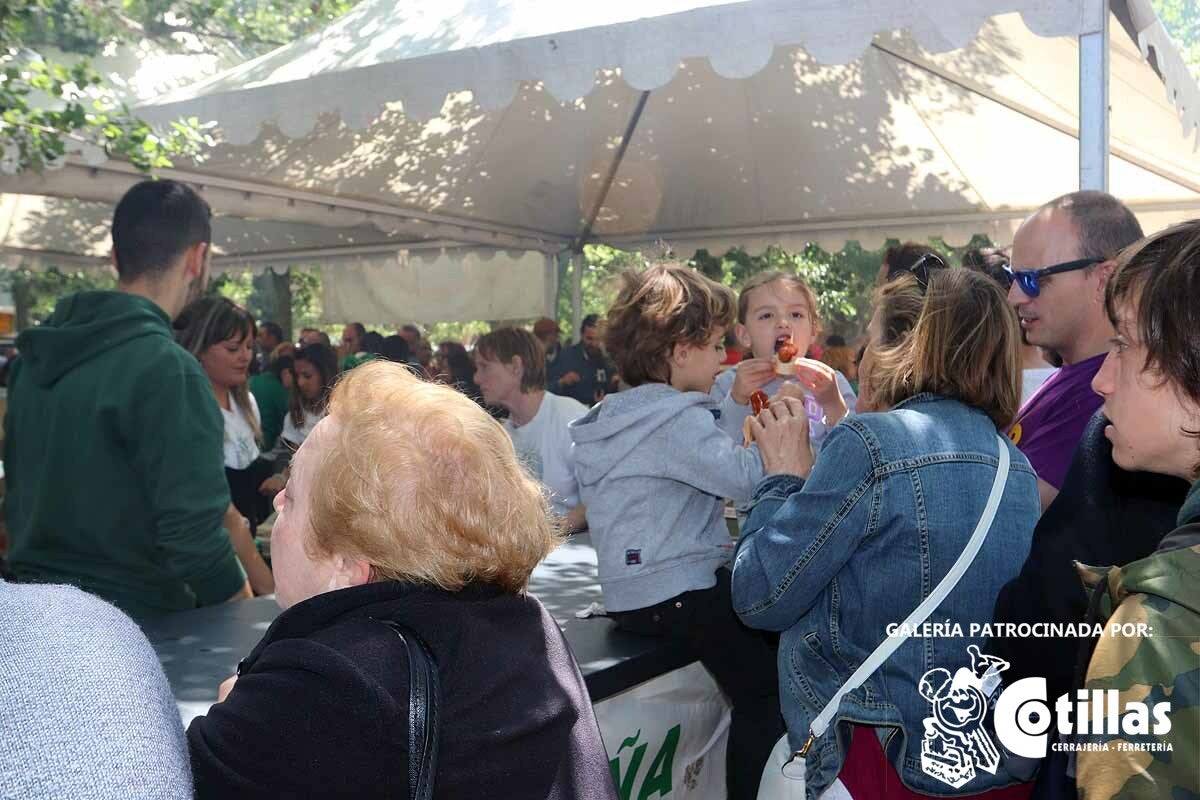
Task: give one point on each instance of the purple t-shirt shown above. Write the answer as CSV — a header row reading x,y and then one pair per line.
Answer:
x,y
1050,424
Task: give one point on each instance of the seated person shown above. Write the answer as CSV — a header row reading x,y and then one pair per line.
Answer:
x,y
315,369
406,506
835,552
270,390
511,372
454,367
352,344
654,470
220,334
87,712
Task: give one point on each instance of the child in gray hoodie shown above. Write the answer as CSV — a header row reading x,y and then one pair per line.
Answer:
x,y
654,470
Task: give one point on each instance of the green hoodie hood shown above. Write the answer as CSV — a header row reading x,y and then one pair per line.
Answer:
x,y
84,325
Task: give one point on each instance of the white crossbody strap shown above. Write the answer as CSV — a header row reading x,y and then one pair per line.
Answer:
x,y
921,613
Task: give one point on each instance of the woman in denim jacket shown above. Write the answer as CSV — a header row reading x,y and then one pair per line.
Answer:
x,y
834,554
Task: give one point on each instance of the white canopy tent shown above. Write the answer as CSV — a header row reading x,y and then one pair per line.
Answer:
x,y
406,137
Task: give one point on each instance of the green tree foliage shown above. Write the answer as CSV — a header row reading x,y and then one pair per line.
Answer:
x,y
45,105
840,289
305,285
1181,18
253,27
37,292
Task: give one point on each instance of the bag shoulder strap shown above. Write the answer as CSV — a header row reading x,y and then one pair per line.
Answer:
x,y
921,613
424,696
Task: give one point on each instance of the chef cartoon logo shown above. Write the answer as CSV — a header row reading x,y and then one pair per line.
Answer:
x,y
956,743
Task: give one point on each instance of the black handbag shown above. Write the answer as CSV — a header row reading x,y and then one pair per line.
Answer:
x,y
424,698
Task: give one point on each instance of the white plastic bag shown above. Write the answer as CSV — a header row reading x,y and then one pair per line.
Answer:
x,y
775,786
666,737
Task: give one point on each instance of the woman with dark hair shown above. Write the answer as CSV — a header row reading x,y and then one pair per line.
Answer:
x,y
910,258
221,334
315,369
395,348
455,367
271,390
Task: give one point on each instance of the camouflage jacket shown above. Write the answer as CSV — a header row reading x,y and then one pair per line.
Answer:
x,y
1162,592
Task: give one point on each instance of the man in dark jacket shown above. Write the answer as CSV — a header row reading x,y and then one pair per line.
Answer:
x,y
582,370
113,438
1103,515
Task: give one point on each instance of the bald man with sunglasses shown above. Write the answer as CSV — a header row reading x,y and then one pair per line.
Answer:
x,y
1061,259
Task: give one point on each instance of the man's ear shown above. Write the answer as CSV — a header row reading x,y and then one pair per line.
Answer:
x,y
517,366
1104,271
193,260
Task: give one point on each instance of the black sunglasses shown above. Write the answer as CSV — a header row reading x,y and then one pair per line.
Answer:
x,y
919,269
1028,279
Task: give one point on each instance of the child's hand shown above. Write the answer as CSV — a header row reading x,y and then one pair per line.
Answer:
x,y
752,374
821,379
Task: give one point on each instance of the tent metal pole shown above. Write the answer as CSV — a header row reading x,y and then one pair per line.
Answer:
x,y
550,287
1093,104
630,127
576,293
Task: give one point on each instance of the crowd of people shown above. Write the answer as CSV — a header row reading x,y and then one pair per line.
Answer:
x,y
1002,423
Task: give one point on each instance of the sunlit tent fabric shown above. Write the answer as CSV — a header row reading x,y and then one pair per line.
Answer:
x,y
538,126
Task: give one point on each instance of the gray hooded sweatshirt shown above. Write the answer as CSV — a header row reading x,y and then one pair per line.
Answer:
x,y
654,469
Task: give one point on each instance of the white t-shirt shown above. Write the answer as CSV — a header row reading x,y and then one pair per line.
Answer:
x,y
544,444
1032,380
297,435
240,447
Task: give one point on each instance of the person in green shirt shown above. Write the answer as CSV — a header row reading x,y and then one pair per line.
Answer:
x,y
271,395
352,344
113,441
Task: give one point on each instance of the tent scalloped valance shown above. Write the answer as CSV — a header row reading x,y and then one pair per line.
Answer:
x,y
291,86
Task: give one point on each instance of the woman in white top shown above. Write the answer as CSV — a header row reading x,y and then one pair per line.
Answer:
x,y
510,369
314,368
221,334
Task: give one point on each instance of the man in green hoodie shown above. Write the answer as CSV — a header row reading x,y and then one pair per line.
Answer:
x,y
112,439
1149,654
